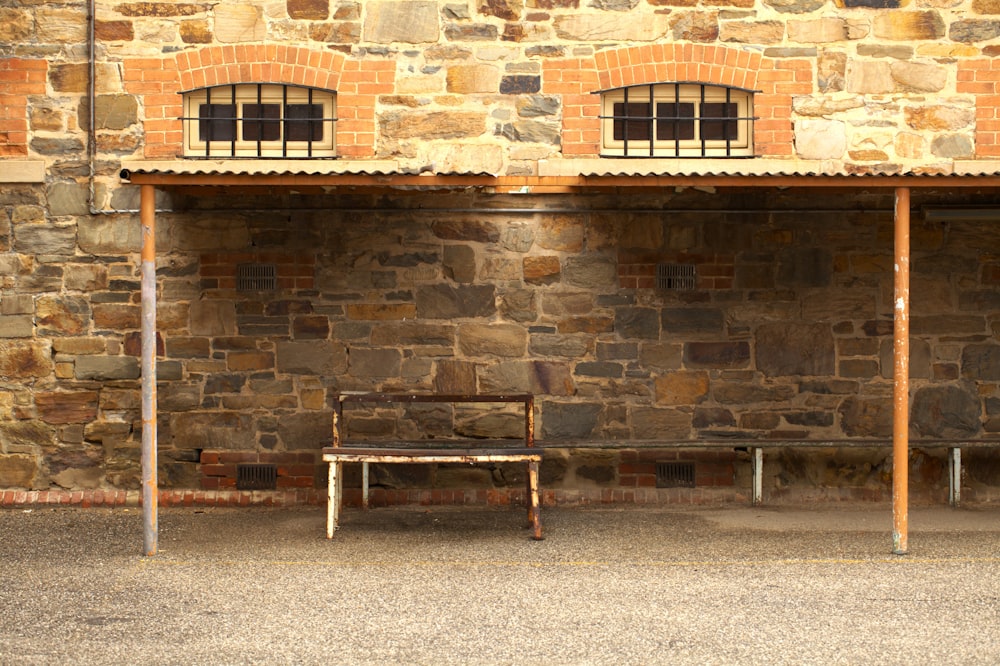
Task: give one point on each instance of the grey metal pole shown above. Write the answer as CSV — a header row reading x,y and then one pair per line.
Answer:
x,y
150,499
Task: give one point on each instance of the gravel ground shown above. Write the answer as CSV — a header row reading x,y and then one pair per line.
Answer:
x,y
466,586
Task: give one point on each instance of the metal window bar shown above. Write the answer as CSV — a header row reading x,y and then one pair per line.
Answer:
x,y
701,135
676,118
238,120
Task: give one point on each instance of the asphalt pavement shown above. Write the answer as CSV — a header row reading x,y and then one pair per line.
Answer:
x,y
465,585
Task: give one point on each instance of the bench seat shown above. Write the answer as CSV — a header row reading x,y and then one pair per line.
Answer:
x,y
430,451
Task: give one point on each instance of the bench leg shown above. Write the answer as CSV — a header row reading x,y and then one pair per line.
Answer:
x,y
534,503
955,476
333,499
364,485
757,474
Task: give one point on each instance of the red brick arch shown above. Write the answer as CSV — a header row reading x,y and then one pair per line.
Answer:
x,y
160,83
775,82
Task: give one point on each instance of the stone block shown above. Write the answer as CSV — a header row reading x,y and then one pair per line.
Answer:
x,y
62,315
455,377
23,359
637,323
17,326
107,368
660,423
228,431
752,32
505,340
459,263
737,393
866,417
431,125
538,377
712,417
381,311
908,26
17,25
474,32
566,346
18,471
591,272
520,84
560,233
919,77
718,355
795,348
53,239
468,79
541,269
444,301
586,27
972,31
695,26
685,321
61,407
405,21
60,25
605,369
682,388
374,363
239,23
981,362
311,357
109,234
821,139
308,10
569,420
532,131
947,411
305,430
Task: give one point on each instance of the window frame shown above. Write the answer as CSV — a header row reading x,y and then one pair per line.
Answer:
x,y
678,93
235,143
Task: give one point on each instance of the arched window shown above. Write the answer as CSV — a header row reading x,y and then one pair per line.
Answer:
x,y
262,120
677,120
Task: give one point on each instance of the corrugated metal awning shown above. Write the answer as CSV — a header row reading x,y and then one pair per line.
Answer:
x,y
560,175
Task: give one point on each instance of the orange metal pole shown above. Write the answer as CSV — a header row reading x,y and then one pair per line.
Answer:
x,y
150,492
901,376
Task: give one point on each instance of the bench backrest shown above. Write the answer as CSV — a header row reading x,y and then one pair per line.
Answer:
x,y
527,401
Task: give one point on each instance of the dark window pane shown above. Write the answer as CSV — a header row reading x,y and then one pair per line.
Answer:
x,y
303,122
261,122
718,130
674,121
633,130
216,122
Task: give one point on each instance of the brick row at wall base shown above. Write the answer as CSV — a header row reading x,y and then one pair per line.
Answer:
x,y
381,497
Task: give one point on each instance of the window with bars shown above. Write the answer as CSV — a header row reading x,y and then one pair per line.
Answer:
x,y
677,120
259,120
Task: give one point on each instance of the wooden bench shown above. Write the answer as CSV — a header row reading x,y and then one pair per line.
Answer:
x,y
430,451
756,448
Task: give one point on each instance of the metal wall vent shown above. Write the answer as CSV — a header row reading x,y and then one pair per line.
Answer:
x,y
675,475
256,277
676,277
256,476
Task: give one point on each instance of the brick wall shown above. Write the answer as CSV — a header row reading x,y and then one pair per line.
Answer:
x,y
982,79
578,79
159,82
19,78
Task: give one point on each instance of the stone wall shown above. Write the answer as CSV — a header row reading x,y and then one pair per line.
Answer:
x,y
787,333
792,342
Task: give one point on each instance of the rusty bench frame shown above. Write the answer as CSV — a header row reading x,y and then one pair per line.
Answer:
x,y
429,450
756,448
